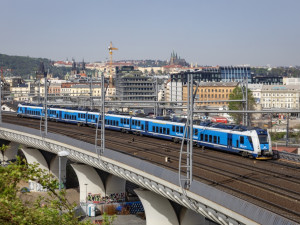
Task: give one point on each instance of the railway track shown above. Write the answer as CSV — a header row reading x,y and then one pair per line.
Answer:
x,y
270,185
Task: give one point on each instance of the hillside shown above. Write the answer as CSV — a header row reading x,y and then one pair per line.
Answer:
x,y
26,66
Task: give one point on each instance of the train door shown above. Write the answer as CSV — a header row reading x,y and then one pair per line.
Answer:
x,y
146,126
229,141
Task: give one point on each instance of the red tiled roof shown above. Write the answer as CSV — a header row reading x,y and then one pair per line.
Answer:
x,y
285,149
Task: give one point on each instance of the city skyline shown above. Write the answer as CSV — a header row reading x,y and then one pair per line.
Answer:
x,y
230,32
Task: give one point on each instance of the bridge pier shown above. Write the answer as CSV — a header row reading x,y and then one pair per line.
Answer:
x,y
93,189
158,209
90,183
33,155
54,168
11,152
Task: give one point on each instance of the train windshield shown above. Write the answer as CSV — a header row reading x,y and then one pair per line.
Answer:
x,y
263,139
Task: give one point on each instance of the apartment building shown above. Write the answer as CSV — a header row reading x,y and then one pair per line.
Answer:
x,y
211,91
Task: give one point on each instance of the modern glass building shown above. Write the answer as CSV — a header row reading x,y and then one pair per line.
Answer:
x,y
210,74
235,73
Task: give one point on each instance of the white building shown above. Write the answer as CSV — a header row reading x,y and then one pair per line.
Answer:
x,y
256,91
280,96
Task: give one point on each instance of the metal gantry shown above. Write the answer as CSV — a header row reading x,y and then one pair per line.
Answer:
x,y
185,181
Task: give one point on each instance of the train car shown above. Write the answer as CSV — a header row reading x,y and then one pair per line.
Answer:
x,y
117,122
249,142
30,111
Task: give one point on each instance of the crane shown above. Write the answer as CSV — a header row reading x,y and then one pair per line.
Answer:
x,y
110,49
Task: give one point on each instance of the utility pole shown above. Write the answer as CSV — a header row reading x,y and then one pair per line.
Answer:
x,y
156,98
45,105
101,117
287,130
102,114
246,99
1,100
91,91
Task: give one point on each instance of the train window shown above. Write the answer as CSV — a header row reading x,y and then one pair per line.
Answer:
x,y
142,126
173,128
132,122
215,139
128,121
242,139
160,130
139,123
105,121
121,120
181,129
117,123
250,139
201,137
164,130
218,140
196,132
153,129
210,138
168,130
177,129
206,137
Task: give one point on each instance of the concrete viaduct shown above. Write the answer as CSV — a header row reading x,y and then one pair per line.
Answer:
x,y
159,185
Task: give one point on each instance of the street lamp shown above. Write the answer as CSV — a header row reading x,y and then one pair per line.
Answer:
x,y
86,212
60,154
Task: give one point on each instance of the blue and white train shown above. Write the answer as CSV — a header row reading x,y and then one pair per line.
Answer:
x,y
249,142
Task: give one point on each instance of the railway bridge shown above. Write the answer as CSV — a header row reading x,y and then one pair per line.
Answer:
x,y
158,184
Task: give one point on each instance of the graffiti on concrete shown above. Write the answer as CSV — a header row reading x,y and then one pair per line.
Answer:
x,y
112,198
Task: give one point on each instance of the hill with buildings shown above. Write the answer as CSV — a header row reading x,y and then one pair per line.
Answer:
x,y
26,66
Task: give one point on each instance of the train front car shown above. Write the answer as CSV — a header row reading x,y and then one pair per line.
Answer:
x,y
264,145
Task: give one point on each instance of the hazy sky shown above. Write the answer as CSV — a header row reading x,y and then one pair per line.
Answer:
x,y
207,32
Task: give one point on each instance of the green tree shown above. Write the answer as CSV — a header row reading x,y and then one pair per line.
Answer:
x,y
44,210
3,149
237,94
108,220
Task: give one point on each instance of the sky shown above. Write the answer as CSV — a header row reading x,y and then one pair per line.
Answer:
x,y
206,32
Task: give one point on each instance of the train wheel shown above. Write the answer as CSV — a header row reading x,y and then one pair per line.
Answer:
x,y
245,154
